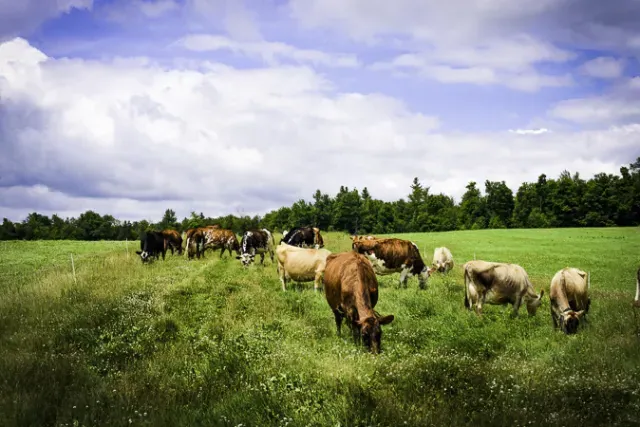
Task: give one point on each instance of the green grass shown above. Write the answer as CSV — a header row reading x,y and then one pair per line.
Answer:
x,y
208,343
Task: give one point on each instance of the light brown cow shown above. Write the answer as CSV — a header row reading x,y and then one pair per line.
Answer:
x,y
391,255
442,259
301,264
569,298
351,289
498,283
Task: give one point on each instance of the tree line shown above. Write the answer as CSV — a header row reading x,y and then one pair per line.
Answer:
x,y
567,201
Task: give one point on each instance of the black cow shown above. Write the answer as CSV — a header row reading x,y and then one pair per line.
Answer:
x,y
152,243
304,237
256,241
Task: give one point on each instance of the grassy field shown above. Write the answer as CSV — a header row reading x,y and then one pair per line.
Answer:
x,y
208,343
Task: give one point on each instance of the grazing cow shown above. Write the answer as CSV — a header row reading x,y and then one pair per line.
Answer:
x,y
442,259
569,298
256,241
152,243
173,240
195,242
218,238
393,255
498,283
351,289
304,237
301,264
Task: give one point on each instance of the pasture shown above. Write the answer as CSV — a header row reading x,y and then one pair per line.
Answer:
x,y
205,342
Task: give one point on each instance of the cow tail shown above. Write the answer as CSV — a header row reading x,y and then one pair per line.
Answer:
x,y
467,303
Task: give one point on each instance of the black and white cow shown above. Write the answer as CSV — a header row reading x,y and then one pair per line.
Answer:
x,y
152,243
304,237
256,242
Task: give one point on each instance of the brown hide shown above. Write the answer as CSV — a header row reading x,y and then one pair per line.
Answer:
x,y
351,289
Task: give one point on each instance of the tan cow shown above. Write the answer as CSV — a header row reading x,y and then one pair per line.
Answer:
x,y
569,298
388,256
442,259
498,283
301,264
351,289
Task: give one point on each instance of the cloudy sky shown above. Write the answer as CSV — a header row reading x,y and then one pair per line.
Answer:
x,y
130,107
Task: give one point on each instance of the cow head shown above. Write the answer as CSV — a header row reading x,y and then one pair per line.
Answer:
x,y
144,256
372,333
246,259
534,303
570,320
423,277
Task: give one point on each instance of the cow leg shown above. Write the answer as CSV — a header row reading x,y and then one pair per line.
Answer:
x,y
337,314
481,299
283,279
222,252
554,316
516,306
261,258
317,283
403,276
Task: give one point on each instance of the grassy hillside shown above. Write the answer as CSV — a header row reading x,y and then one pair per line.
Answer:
x,y
208,343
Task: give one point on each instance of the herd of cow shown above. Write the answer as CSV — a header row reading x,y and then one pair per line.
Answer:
x,y
349,278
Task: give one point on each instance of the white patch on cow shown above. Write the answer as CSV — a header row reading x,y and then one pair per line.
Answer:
x,y
378,265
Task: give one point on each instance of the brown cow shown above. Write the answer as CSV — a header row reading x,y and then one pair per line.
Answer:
x,y
194,238
351,289
172,240
393,255
498,283
569,298
218,238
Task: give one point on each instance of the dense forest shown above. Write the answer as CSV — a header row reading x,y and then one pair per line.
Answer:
x,y
568,201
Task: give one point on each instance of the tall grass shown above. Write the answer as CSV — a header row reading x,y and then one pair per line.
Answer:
x,y
206,342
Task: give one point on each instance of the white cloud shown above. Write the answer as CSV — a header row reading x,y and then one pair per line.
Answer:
x,y
529,131
131,138
620,105
270,52
603,67
22,17
505,62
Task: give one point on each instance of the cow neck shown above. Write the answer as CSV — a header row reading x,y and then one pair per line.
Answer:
x,y
363,303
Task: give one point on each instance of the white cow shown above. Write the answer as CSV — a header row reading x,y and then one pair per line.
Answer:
x,y
442,259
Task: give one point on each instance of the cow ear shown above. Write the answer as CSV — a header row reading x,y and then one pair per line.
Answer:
x,y
238,257
386,319
139,252
541,293
579,314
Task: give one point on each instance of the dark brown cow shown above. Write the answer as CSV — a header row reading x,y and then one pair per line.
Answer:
x,y
351,289
194,238
172,240
393,255
218,238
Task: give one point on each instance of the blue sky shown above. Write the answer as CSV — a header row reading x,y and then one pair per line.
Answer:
x,y
114,105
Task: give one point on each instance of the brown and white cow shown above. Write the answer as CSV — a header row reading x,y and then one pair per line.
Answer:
x,y
498,283
256,242
301,264
442,259
569,297
219,238
392,255
356,238
351,289
173,240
